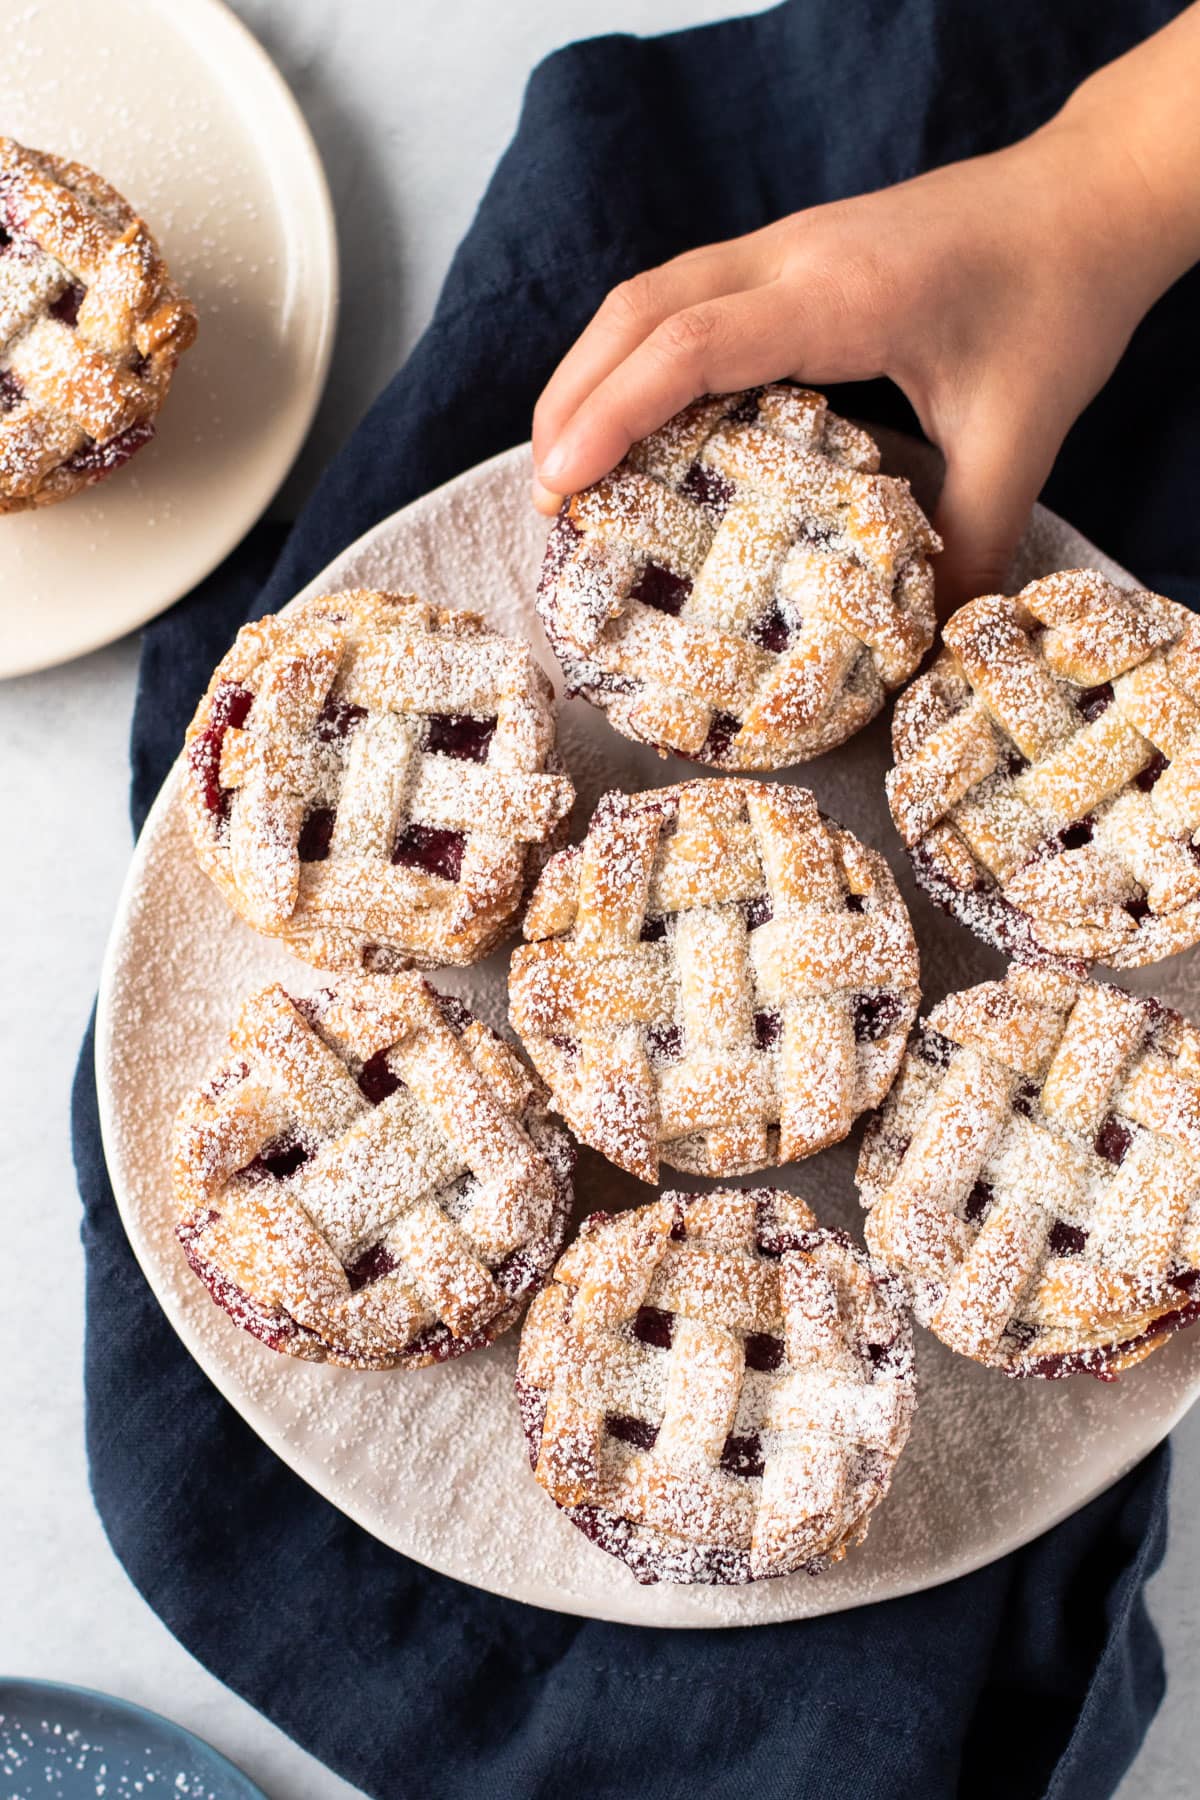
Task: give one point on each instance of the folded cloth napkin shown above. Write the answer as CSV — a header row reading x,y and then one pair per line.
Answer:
x,y
1034,1676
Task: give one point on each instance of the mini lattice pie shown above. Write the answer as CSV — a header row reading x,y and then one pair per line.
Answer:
x,y
1047,778
375,780
1036,1174
91,327
369,1177
714,1390
746,586
719,976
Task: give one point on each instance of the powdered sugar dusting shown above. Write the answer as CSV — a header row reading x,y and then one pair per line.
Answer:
x,y
434,1463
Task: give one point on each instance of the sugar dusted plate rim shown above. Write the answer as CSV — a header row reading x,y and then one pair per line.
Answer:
x,y
433,1463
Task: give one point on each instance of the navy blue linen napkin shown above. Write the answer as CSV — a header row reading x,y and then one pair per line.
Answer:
x,y
1035,1676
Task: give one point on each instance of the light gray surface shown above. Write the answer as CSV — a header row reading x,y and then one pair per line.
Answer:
x,y
410,106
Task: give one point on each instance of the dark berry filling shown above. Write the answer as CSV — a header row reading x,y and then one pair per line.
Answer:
x,y
854,903
653,929
1113,1140
763,1351
1015,763
66,308
743,1456
457,734
316,834
874,1016
1074,837
431,848
139,365
772,632
1138,909
1026,1098
337,719
758,912
721,733
371,1266
654,1327
934,1049
662,589
376,1080
664,1043
98,460
11,391
746,410
708,488
279,1159
638,1432
456,1015
1150,774
1066,1240
230,709
768,1027
1095,700
978,1201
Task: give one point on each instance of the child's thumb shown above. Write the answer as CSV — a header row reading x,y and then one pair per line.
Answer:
x,y
990,487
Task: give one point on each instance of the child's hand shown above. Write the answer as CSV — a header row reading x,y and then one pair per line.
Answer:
x,y
998,293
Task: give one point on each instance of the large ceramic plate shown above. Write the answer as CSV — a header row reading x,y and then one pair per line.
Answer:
x,y
178,106
433,1463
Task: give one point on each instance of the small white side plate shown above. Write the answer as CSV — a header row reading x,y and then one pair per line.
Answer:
x,y
176,104
433,1463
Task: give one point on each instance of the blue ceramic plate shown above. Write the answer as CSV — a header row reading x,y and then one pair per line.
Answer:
x,y
75,1745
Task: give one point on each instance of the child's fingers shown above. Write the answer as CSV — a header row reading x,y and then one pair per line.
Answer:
x,y
715,348
991,484
629,314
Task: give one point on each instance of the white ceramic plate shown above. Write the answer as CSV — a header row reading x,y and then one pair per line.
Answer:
x,y
433,1463
177,105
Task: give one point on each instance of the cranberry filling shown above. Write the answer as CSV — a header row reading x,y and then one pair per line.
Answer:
x,y
653,929
934,1049
763,1351
457,734
376,1080
662,589
637,1432
1150,774
772,632
1074,837
11,391
371,1266
768,1027
101,459
1066,1240
1015,763
1095,700
1113,1140
758,912
456,1015
708,488
874,1016
316,834
664,1043
1138,910
654,1327
431,848
746,410
721,733
854,903
743,1456
5,237
230,709
978,1201
337,719
139,365
279,1159
66,308
1025,1097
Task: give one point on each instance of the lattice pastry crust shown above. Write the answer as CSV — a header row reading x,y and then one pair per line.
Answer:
x,y
1047,778
1036,1174
714,1390
91,327
375,780
368,1177
746,586
718,975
